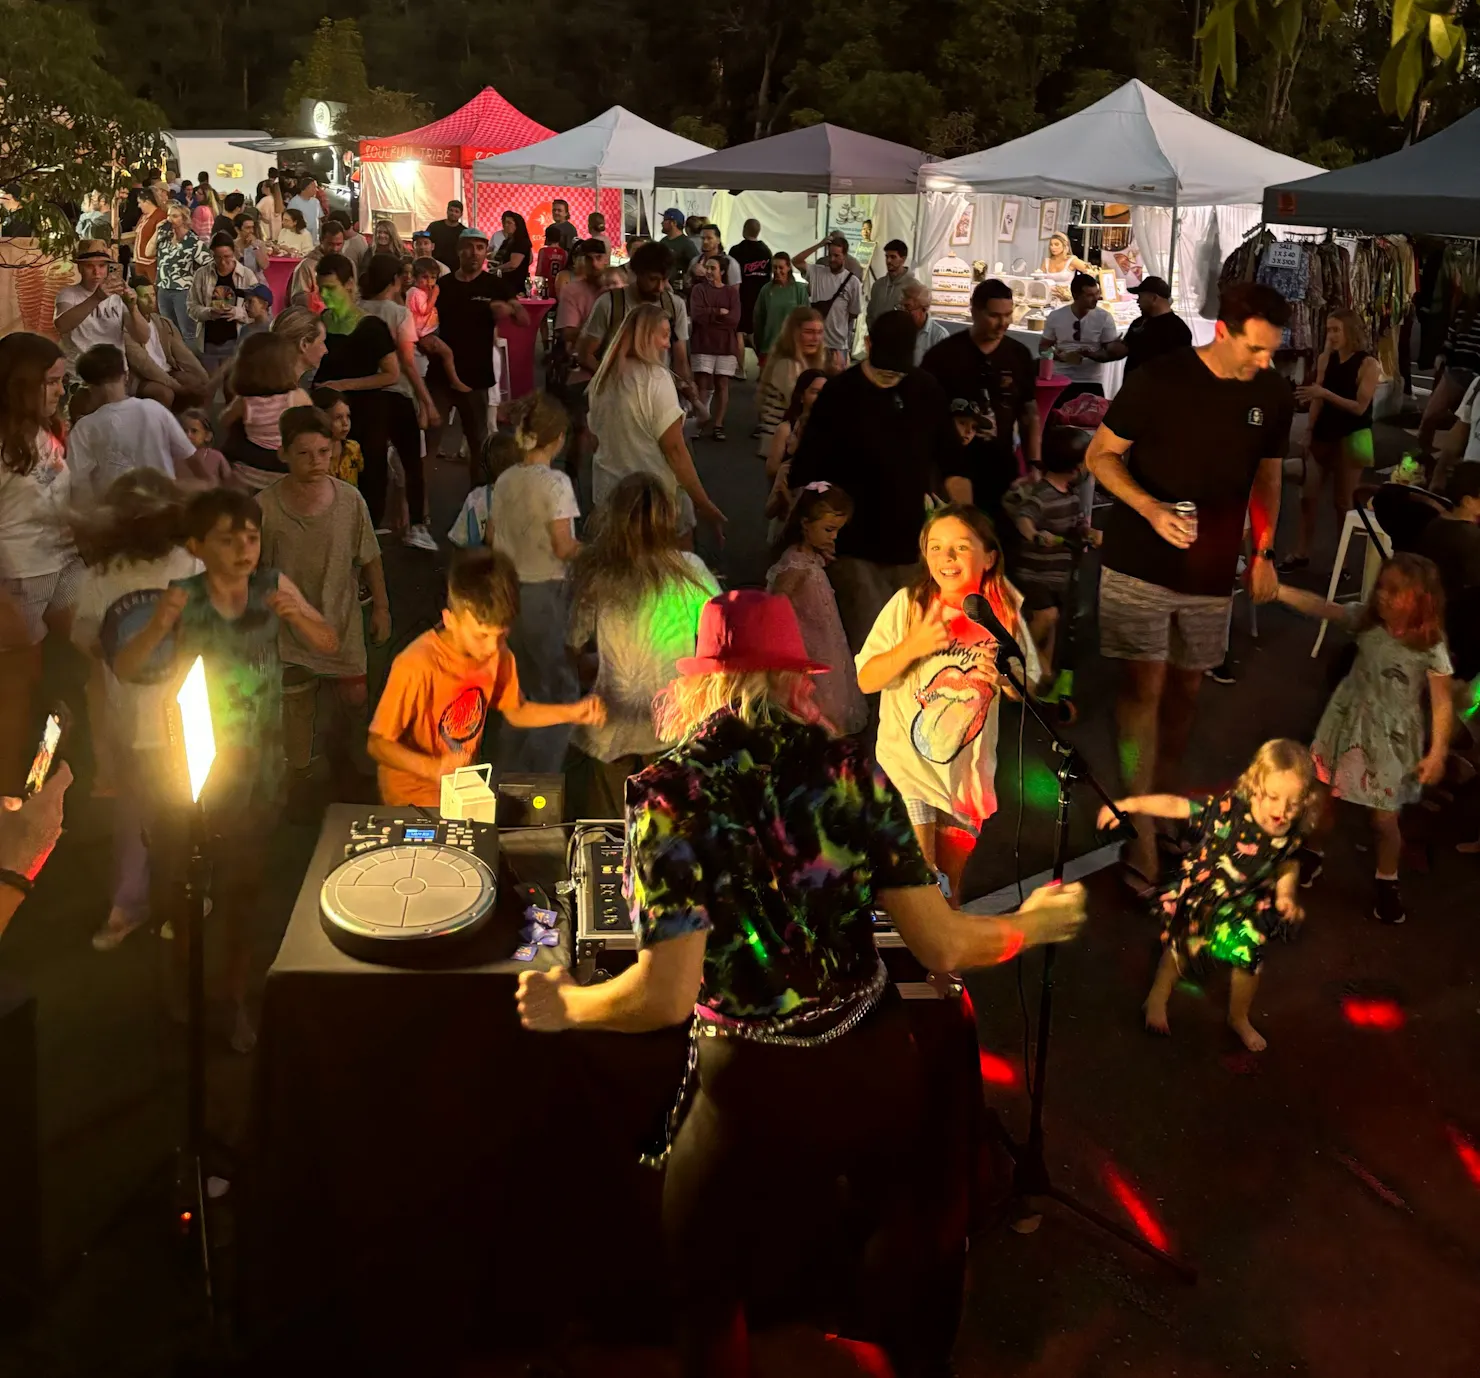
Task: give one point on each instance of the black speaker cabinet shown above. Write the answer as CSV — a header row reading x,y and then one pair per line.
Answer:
x,y
20,1160
529,801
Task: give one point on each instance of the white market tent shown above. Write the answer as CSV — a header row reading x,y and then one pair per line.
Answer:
x,y
1135,147
616,149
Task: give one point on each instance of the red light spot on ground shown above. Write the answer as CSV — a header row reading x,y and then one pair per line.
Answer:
x,y
1384,1015
997,1071
1148,1225
1469,1155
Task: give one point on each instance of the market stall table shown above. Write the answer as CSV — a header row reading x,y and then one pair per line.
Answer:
x,y
520,340
280,272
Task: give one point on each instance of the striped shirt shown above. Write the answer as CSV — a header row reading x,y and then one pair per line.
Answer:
x,y
1050,510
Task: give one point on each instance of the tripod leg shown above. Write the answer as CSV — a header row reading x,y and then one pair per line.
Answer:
x,y
1185,1271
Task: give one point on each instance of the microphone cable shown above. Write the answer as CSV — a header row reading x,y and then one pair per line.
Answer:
x,y
1017,866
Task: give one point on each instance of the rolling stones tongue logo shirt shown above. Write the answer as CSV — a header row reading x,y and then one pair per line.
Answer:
x,y
437,701
938,721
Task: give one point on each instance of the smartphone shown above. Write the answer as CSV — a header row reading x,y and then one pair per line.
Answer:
x,y
46,752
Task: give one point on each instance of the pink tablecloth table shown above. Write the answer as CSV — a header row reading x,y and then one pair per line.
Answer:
x,y
519,340
1046,393
279,275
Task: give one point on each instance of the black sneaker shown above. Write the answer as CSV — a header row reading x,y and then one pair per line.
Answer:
x,y
1311,866
1222,674
1389,906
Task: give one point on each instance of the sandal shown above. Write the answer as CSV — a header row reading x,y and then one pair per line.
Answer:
x,y
718,433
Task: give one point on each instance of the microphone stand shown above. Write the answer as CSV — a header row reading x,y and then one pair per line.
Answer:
x,y
1030,1176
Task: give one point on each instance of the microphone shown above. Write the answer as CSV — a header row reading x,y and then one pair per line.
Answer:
x,y
979,610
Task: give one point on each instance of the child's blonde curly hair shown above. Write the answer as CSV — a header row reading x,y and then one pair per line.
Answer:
x,y
1275,757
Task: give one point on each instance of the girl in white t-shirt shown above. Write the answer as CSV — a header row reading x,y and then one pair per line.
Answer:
x,y
941,687
531,519
38,564
132,542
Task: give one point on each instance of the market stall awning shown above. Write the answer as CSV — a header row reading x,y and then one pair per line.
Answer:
x,y
1133,146
486,124
616,149
1431,187
820,158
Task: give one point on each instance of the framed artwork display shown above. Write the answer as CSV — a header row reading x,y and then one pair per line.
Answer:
x,y
1007,226
961,231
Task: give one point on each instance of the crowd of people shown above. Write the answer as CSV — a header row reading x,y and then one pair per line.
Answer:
x,y
194,469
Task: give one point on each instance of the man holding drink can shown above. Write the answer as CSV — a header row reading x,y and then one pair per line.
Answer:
x,y
1192,444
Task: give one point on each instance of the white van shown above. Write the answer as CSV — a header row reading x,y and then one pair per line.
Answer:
x,y
216,151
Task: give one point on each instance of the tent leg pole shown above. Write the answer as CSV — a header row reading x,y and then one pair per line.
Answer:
x,y
1172,248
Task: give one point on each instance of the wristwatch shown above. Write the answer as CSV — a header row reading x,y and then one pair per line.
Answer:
x,y
15,880
1266,554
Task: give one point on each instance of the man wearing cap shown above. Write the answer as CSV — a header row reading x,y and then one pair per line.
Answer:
x,y
837,292
988,368
882,432
447,235
683,249
1158,330
101,308
422,247
470,303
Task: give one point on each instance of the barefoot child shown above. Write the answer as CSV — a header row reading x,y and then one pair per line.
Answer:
x,y
1369,744
1048,516
346,461
230,616
808,543
421,301
531,518
431,714
317,530
1238,883
937,671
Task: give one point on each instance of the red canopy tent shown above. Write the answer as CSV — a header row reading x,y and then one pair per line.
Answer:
x,y
409,178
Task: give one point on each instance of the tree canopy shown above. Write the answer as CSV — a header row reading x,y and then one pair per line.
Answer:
x,y
1314,78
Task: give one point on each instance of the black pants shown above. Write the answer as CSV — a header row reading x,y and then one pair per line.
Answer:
x,y
472,407
379,420
795,1165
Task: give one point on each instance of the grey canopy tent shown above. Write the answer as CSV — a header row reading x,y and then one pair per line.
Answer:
x,y
1431,187
820,158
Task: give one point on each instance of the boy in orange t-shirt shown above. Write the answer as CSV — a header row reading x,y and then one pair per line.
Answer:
x,y
430,718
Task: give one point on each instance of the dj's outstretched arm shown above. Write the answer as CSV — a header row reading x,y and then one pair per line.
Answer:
x,y
655,992
944,939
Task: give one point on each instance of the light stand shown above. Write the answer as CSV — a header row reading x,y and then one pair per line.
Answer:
x,y
199,744
1030,1176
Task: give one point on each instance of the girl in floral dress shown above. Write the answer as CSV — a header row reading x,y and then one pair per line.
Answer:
x,y
1369,746
1239,881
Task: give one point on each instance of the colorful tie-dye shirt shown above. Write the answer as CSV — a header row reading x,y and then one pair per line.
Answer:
x,y
1223,902
775,840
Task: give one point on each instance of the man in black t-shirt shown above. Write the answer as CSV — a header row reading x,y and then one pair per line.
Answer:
x,y
470,303
882,432
995,373
1207,426
1156,331
446,234
754,259
560,225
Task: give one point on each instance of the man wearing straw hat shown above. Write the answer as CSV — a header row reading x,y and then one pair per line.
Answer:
x,y
100,308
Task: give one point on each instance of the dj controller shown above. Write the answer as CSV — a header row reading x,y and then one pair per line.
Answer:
x,y
410,880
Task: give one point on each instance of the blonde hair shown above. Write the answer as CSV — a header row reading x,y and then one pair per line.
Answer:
x,y
297,325
787,350
1354,328
755,696
1278,756
539,420
637,339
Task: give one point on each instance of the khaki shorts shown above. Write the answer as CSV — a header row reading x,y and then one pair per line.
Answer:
x,y
1141,621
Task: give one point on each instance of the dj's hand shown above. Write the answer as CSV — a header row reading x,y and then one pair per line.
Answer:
x,y
590,711
1052,914
542,999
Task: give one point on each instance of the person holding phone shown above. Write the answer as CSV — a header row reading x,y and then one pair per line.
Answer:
x,y
101,308
29,829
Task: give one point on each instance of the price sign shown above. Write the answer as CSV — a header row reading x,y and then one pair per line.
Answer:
x,y
1283,253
